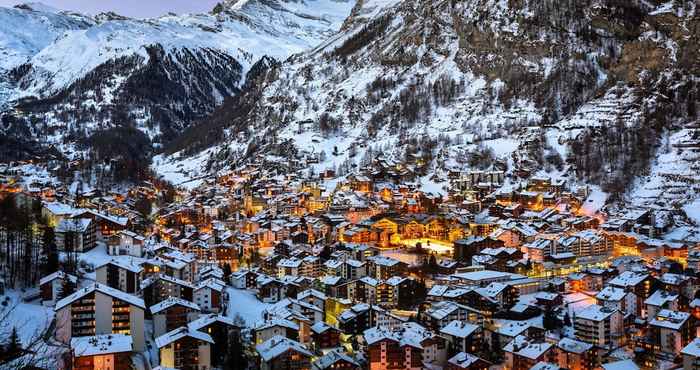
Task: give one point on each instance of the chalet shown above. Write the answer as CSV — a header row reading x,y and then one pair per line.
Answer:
x,y
50,286
462,337
691,355
336,360
216,326
599,326
126,242
465,249
160,287
279,352
616,298
106,351
120,274
670,332
185,348
55,212
523,353
382,267
575,355
76,234
275,327
641,285
324,336
107,225
661,299
243,279
99,309
171,314
467,361
209,295
410,346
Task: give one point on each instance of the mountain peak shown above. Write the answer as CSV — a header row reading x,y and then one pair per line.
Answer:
x,y
38,7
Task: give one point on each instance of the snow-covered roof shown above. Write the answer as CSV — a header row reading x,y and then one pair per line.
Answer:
x,y
114,293
673,279
573,345
545,366
173,301
58,208
692,349
526,347
321,327
487,275
513,329
595,312
670,319
211,283
57,275
459,329
277,322
78,225
205,320
611,293
463,360
126,264
628,279
101,345
332,357
660,298
384,260
409,334
311,293
621,365
278,345
182,332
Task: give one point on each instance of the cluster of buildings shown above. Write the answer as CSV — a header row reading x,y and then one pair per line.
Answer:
x,y
376,274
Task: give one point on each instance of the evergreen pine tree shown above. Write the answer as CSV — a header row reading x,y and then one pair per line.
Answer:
x,y
67,288
227,271
14,346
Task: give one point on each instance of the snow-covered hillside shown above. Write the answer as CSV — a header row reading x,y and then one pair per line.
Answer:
x,y
438,82
59,63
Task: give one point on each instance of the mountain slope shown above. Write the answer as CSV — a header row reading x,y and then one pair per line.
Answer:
x,y
158,75
419,81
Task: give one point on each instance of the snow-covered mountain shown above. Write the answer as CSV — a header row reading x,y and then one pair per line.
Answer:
x,y
435,84
73,73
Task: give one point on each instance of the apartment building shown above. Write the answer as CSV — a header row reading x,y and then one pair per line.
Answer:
x,y
99,309
600,326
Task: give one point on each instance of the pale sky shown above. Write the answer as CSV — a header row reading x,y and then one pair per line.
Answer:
x,y
130,8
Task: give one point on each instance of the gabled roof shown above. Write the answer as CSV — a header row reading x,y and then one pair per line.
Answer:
x,y
331,358
114,293
57,275
79,225
173,301
463,360
670,319
279,345
573,345
182,332
611,293
660,298
101,345
525,347
121,263
459,329
628,279
595,313
205,320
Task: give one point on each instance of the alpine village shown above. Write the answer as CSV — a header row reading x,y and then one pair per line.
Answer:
x,y
341,184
